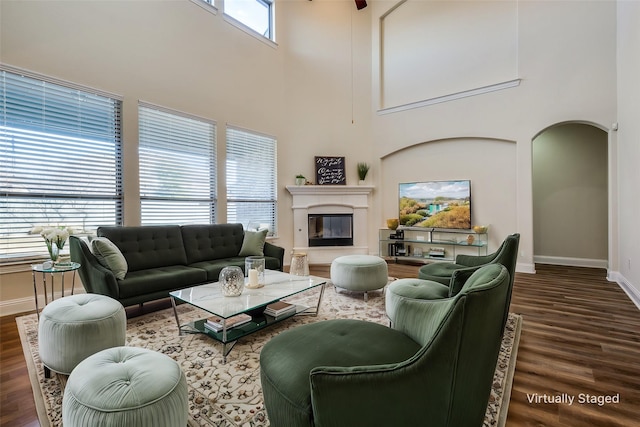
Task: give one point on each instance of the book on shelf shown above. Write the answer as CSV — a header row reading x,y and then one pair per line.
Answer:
x,y
216,323
436,252
279,308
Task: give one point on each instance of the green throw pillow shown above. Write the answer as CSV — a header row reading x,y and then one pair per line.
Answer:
x,y
109,256
253,243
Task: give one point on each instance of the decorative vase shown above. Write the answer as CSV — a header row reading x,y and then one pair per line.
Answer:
x,y
254,269
470,239
54,251
232,281
299,264
392,223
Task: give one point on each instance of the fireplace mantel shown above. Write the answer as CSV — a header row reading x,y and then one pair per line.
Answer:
x,y
316,199
330,189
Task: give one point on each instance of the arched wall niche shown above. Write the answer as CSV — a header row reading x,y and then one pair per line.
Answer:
x,y
489,163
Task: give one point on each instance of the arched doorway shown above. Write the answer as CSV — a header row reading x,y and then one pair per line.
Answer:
x,y
570,195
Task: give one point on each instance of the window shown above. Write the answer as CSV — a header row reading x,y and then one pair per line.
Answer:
x,y
177,167
255,14
60,151
251,179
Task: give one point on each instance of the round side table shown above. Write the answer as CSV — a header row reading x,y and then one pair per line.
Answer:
x,y
52,270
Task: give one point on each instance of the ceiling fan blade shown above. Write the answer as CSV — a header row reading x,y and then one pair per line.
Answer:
x,y
361,4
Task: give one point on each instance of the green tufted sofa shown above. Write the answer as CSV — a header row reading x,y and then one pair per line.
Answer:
x,y
161,259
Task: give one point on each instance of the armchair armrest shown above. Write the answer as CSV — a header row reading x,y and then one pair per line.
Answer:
x,y
96,279
274,251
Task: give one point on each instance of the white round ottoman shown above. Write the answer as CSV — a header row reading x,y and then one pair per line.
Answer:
x,y
75,327
126,386
359,273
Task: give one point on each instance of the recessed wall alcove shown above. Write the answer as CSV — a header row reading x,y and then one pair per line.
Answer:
x,y
489,163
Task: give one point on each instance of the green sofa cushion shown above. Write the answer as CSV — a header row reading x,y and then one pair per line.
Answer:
x,y
160,279
206,242
337,342
147,247
253,243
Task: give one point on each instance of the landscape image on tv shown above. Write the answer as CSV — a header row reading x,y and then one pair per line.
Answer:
x,y
436,204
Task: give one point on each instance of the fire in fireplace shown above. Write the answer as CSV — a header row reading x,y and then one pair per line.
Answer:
x,y
330,230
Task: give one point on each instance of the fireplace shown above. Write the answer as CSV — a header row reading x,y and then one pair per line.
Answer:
x,y
332,203
330,230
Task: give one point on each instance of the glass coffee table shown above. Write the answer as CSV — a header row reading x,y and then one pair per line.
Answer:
x,y
209,297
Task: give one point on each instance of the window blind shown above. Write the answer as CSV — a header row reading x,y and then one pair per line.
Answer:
x,y
61,161
251,175
177,167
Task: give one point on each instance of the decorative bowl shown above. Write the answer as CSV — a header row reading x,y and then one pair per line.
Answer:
x,y
480,228
392,223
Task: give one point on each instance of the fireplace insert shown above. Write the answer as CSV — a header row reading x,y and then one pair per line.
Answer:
x,y
330,230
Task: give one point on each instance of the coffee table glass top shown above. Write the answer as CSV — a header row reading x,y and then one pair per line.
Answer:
x,y
278,285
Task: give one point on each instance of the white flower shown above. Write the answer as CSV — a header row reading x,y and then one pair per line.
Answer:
x,y
57,234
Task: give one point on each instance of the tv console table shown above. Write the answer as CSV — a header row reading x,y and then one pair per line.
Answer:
x,y
429,244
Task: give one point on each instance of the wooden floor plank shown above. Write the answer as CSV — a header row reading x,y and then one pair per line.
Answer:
x,y
581,335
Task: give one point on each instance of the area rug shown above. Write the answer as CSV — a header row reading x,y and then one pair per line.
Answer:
x,y
229,395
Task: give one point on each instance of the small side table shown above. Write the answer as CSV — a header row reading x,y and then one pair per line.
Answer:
x,y
45,270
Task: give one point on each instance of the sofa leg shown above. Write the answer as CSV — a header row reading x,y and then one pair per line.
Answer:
x,y
47,372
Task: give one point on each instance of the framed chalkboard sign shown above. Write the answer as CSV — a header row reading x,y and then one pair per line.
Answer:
x,y
330,171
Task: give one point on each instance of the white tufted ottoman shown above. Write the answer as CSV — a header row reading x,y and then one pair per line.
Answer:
x,y
75,327
359,273
126,386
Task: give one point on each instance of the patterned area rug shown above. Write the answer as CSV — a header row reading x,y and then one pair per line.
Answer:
x,y
230,394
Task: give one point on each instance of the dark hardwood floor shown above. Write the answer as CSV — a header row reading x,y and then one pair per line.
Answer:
x,y
580,337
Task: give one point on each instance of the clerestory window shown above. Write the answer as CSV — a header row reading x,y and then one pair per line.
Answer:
x,y
253,15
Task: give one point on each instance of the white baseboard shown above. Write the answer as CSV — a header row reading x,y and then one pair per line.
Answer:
x,y
632,292
28,304
525,268
573,262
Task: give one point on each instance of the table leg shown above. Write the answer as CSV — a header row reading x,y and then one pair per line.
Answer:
x,y
175,313
62,288
73,281
35,293
44,285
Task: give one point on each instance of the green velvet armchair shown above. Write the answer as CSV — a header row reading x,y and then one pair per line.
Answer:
x,y
465,265
434,368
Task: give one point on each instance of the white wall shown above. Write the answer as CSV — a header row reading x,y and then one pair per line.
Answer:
x,y
567,66
628,146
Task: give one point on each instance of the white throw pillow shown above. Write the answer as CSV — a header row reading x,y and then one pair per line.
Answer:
x,y
109,256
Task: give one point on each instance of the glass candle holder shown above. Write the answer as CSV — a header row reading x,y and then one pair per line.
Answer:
x,y
254,271
232,281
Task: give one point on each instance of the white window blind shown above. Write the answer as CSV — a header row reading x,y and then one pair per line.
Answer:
x,y
177,167
60,161
251,179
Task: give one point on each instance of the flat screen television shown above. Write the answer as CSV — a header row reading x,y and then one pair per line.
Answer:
x,y
435,204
